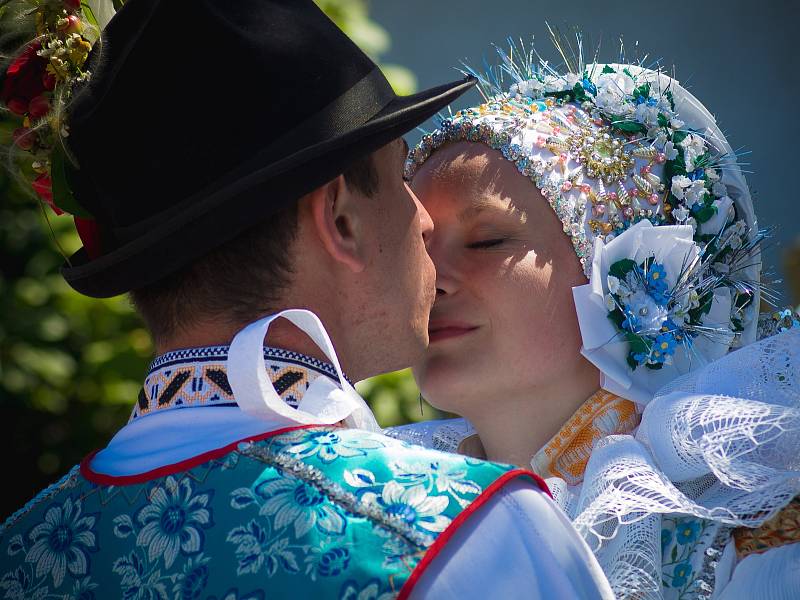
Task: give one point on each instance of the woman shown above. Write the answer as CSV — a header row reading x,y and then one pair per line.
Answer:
x,y
598,259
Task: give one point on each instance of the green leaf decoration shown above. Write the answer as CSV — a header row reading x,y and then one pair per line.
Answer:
x,y
89,14
671,99
637,343
737,325
677,166
628,73
655,366
628,126
62,195
621,268
643,91
696,314
608,69
631,361
663,121
564,94
701,161
742,301
580,93
617,317
705,213
679,136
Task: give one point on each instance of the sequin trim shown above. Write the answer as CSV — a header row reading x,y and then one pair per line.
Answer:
x,y
350,502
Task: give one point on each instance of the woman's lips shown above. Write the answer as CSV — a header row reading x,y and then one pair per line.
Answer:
x,y
442,330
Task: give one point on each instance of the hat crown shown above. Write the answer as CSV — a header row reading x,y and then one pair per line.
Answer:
x,y
184,92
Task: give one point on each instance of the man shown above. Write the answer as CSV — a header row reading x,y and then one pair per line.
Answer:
x,y
239,159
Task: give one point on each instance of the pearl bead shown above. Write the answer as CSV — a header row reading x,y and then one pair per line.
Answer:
x,y
653,199
566,186
661,158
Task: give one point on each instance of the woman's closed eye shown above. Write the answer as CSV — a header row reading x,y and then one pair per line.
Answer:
x,y
489,243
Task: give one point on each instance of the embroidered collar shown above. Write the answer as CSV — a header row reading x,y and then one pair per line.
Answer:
x,y
567,452
198,377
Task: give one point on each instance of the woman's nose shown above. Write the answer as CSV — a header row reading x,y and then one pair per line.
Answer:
x,y
447,278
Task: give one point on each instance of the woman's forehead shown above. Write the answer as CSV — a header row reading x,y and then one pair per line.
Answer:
x,y
475,175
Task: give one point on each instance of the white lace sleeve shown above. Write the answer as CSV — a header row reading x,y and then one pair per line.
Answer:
x,y
441,434
721,444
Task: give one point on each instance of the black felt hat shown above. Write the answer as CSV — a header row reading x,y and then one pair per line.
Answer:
x,y
203,117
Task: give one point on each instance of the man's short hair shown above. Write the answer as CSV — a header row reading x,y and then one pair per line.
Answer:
x,y
238,281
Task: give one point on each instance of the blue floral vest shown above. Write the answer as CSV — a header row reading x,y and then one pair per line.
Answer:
x,y
318,512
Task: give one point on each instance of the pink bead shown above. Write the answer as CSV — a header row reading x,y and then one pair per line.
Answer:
x,y
613,196
599,209
586,188
627,212
661,158
653,199
563,157
556,129
566,186
645,170
571,118
541,142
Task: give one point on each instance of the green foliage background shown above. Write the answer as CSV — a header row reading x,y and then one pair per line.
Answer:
x,y
70,366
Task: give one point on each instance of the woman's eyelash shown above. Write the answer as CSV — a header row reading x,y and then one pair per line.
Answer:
x,y
486,243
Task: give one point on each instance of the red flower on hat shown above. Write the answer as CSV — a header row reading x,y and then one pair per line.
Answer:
x,y
43,187
25,81
89,233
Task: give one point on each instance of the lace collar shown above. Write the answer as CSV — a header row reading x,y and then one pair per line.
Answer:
x,y
568,451
198,377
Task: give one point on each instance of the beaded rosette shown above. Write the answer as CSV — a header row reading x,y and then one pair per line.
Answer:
x,y
649,192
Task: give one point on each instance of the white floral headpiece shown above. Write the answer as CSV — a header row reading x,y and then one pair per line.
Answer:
x,y
648,190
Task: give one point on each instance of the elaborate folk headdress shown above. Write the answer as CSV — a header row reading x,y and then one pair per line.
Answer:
x,y
648,190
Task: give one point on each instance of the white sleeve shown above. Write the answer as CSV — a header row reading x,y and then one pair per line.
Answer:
x,y
517,545
771,575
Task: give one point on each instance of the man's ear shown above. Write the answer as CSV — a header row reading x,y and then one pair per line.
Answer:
x,y
338,220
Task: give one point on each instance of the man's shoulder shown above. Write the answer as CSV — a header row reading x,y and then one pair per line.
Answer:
x,y
286,508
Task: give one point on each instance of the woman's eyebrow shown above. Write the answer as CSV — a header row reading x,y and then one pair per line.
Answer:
x,y
475,208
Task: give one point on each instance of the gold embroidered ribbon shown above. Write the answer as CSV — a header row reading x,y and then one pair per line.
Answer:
x,y
782,529
567,452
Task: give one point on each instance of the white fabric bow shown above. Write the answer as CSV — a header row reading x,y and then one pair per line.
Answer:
x,y
324,403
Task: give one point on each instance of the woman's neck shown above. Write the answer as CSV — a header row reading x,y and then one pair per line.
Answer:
x,y
514,428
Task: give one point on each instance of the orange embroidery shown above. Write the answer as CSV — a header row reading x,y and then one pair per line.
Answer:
x,y
782,529
567,453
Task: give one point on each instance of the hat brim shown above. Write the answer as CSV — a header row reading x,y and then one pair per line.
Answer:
x,y
219,215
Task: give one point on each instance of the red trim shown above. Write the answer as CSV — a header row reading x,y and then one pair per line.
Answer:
x,y
445,536
178,467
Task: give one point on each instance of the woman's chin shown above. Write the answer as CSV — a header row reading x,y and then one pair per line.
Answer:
x,y
449,383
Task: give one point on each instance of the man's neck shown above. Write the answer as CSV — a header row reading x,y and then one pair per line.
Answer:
x,y
282,334
513,429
